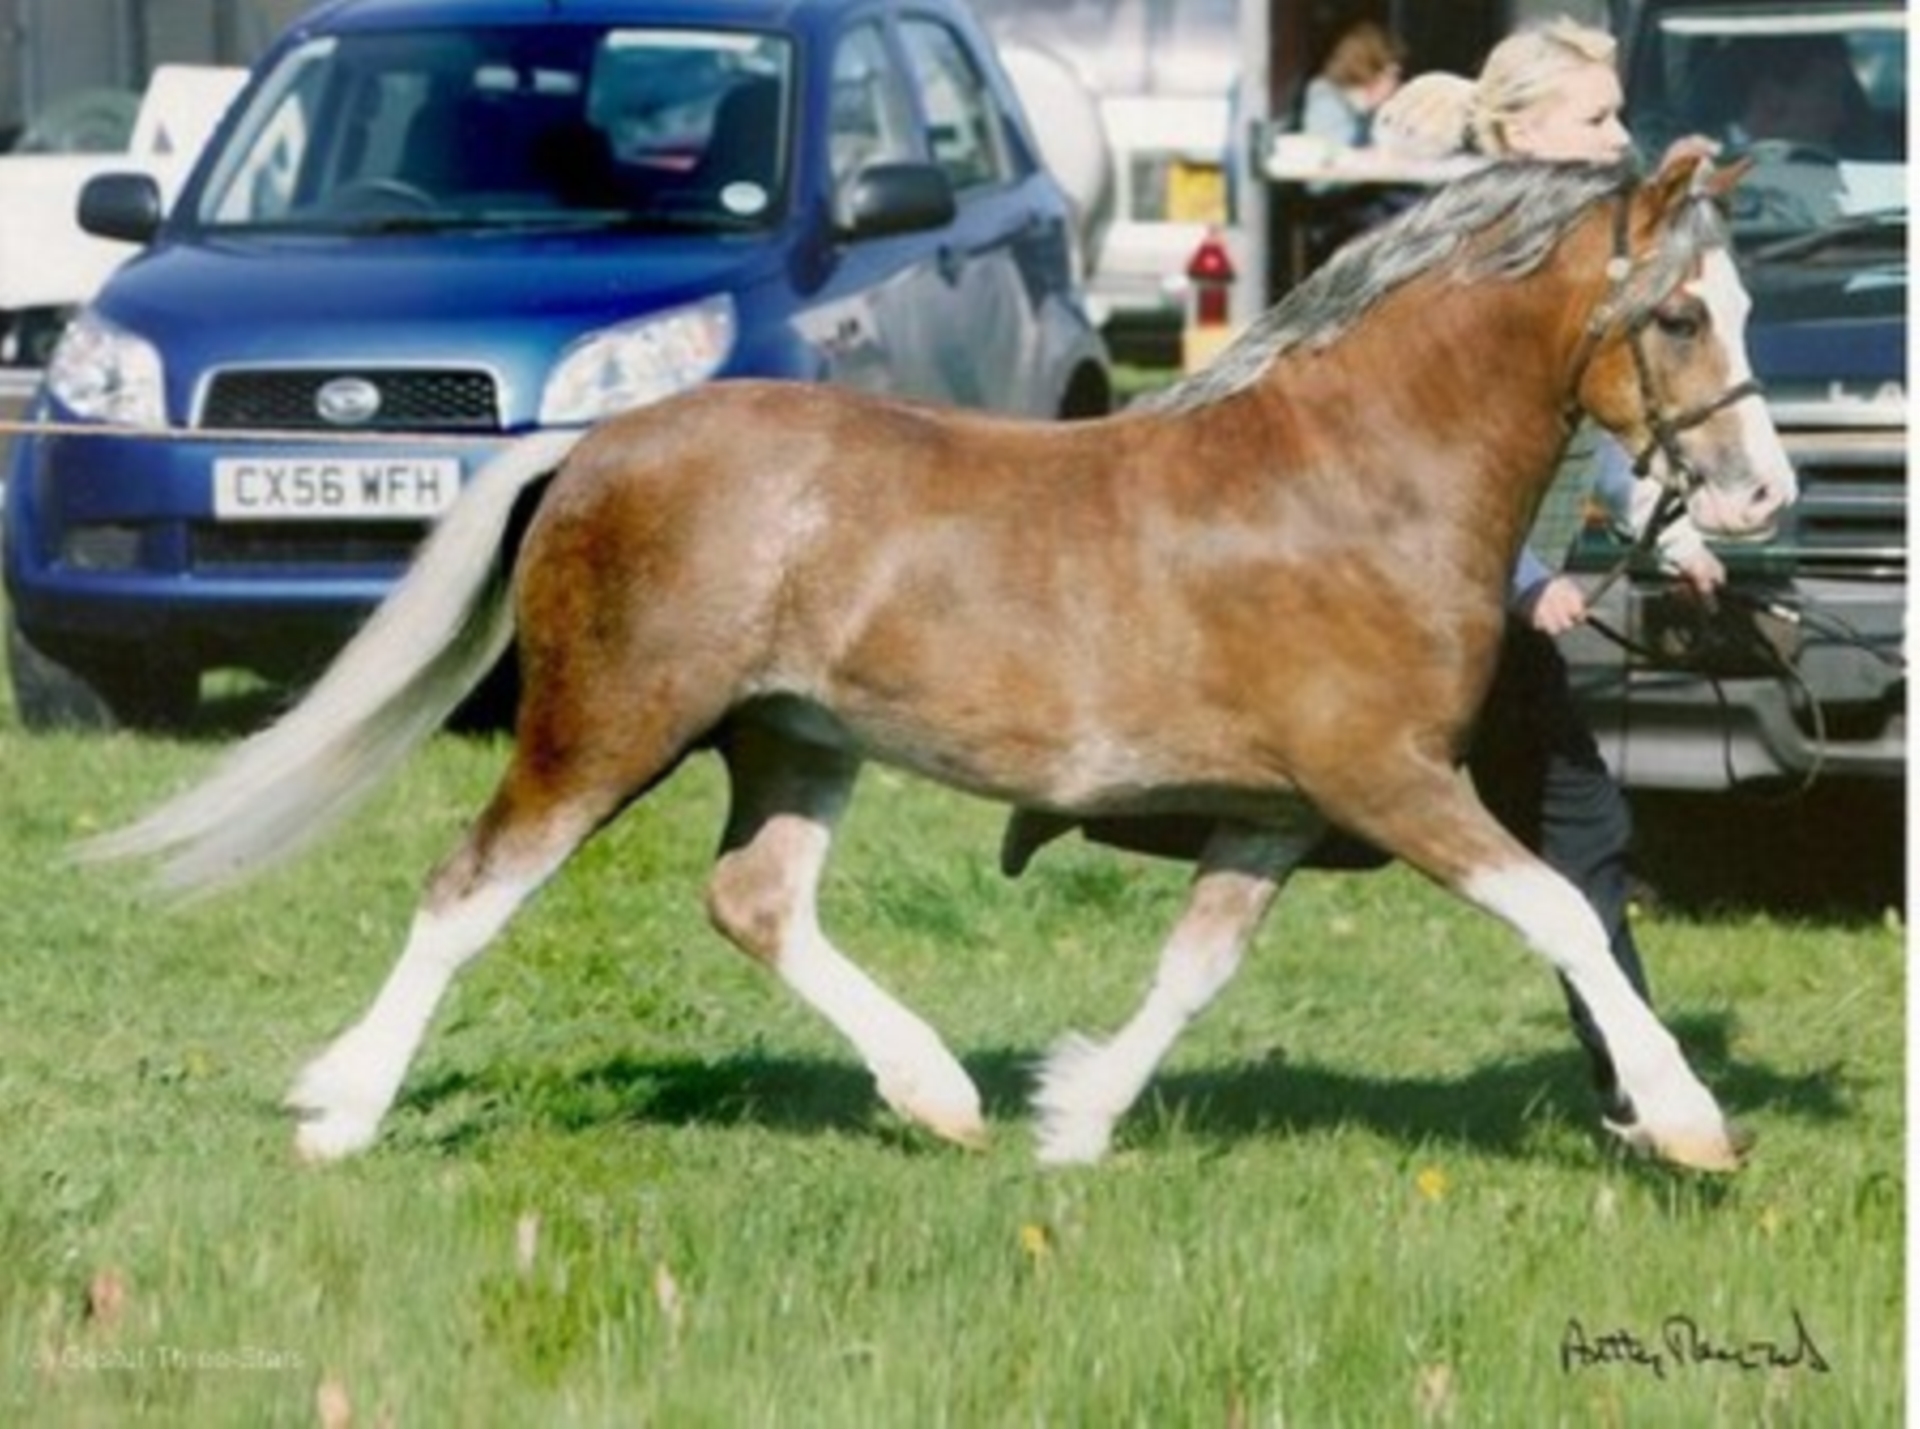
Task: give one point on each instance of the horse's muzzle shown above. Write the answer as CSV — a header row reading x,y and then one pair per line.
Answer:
x,y
1747,513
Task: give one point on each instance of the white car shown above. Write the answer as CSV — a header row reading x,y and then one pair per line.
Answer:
x,y
1169,171
48,265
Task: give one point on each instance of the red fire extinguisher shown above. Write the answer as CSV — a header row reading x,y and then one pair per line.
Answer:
x,y
1210,276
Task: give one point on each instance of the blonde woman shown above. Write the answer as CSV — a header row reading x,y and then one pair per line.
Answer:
x,y
1547,92
1551,92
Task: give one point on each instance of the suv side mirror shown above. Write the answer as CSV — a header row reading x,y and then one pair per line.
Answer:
x,y
122,206
898,198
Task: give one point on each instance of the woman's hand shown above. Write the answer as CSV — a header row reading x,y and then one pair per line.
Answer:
x,y
1557,606
1701,572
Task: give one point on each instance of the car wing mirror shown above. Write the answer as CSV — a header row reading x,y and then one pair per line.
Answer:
x,y
897,197
126,207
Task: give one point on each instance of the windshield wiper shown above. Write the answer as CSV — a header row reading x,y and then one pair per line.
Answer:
x,y
402,223
652,220
671,220
704,220
1834,231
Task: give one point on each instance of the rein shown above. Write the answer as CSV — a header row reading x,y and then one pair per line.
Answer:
x,y
1763,640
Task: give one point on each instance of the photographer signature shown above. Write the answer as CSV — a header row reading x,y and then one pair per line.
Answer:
x,y
1682,1344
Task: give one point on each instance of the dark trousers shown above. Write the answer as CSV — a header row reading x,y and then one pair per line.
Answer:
x,y
1537,768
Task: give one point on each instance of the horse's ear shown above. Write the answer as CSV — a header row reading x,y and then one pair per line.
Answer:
x,y
1678,178
1690,173
1717,183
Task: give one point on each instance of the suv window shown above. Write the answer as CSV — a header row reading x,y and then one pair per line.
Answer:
x,y
1818,99
968,132
512,124
871,121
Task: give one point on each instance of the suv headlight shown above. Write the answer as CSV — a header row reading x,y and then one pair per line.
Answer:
x,y
103,372
638,362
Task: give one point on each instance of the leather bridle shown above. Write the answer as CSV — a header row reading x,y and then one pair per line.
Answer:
x,y
1681,477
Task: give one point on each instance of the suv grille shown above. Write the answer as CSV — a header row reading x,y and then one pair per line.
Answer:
x,y
411,400
1851,518
268,549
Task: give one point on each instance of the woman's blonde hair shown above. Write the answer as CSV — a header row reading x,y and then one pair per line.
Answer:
x,y
1437,115
1428,117
1528,67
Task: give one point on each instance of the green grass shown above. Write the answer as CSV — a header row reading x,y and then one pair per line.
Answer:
x,y
631,1182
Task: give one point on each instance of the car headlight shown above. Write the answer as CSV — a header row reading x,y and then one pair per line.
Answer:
x,y
638,362
103,372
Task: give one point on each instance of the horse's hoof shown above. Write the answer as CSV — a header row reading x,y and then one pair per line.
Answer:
x,y
951,1112
1720,1154
969,1136
336,1119
323,1140
1072,1139
969,1133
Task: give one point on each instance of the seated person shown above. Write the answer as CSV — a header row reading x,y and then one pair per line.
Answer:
x,y
1799,93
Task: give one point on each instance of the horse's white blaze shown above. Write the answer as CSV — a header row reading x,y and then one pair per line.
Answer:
x,y
1770,483
344,1093
1561,926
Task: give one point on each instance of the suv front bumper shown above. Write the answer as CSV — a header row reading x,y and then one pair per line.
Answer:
x,y
1842,713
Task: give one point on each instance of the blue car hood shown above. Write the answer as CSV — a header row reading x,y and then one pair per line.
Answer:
x,y
510,303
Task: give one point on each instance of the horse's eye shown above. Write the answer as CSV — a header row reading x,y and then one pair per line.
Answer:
x,y
1680,323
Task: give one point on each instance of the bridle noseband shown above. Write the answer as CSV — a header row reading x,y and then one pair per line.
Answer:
x,y
1682,478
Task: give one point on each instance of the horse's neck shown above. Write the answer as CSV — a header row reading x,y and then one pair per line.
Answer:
x,y
1461,385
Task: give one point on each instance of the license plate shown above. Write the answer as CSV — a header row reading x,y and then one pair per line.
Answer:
x,y
333,488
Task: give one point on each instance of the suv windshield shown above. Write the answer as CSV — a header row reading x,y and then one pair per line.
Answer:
x,y
1816,97
511,126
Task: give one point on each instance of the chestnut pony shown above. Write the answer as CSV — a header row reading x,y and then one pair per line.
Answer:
x,y
1271,598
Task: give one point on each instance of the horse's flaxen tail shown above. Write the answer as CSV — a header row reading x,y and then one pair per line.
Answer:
x,y
421,653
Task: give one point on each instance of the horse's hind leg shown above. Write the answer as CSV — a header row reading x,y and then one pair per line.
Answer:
x,y
546,806
787,797
1085,1087
343,1095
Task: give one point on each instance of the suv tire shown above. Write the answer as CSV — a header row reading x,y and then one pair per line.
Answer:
x,y
126,692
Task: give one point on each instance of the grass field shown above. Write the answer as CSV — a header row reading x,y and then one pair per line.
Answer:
x,y
630,1182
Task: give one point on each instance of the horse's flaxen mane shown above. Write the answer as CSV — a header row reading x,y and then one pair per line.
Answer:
x,y
1500,221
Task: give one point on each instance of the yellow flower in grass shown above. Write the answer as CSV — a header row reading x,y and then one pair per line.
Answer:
x,y
1036,1241
1431,1182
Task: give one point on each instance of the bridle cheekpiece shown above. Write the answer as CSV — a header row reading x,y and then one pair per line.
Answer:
x,y
1680,477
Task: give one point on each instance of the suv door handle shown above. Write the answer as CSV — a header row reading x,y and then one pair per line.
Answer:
x,y
951,263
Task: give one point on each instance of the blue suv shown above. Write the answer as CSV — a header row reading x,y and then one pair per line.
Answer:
x,y
1814,94
429,226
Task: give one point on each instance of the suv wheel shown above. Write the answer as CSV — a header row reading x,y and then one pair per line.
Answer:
x,y
129,691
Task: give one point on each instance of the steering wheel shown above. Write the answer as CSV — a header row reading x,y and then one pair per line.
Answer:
x,y
1794,184
1791,151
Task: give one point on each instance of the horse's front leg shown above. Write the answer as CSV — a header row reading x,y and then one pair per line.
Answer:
x,y
1675,1116
1435,823
1086,1086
